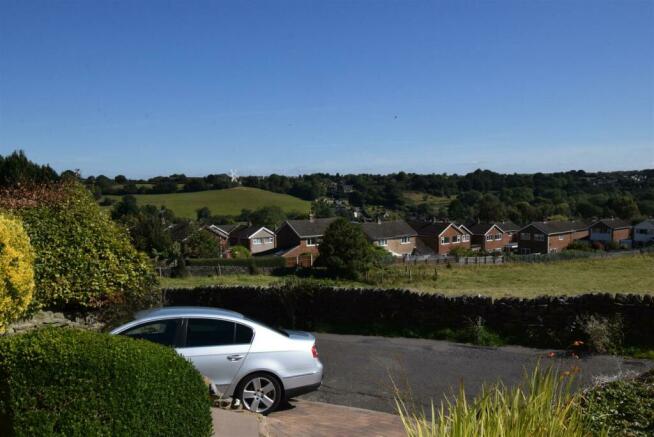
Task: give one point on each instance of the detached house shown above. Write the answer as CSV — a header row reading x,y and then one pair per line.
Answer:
x,y
611,230
644,232
256,239
549,237
487,236
302,237
396,236
442,237
221,233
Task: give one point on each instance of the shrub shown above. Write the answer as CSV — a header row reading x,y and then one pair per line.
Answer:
x,y
602,335
580,245
542,406
67,382
345,251
623,407
240,252
16,270
82,258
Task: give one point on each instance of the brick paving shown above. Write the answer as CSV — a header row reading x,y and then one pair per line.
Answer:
x,y
317,419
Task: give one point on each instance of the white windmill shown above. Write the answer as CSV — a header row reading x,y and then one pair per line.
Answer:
x,y
234,176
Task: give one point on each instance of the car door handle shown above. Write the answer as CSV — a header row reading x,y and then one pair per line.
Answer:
x,y
235,357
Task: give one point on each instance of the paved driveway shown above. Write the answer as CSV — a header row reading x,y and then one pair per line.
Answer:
x,y
359,370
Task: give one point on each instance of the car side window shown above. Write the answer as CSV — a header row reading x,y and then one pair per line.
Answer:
x,y
160,331
214,332
209,332
243,334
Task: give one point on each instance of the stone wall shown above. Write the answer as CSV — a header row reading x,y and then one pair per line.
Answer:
x,y
58,319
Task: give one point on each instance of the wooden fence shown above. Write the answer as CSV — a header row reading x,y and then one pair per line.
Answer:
x,y
457,260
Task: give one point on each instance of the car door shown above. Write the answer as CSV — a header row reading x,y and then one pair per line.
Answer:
x,y
216,347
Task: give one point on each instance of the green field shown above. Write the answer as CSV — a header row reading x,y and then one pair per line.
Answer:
x,y
626,274
420,198
222,202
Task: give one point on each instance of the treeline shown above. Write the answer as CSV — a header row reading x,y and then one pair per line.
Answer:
x,y
478,196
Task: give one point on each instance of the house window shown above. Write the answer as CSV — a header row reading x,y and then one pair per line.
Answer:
x,y
269,240
641,231
382,242
456,239
539,237
525,236
466,237
489,238
445,240
561,237
256,241
498,236
405,240
312,242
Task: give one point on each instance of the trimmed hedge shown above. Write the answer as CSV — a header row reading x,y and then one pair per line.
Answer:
x,y
262,261
544,321
56,382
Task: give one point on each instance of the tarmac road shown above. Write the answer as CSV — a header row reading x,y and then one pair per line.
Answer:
x,y
359,370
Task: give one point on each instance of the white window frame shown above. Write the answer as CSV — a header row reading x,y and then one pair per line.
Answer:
x,y
489,238
525,236
498,237
443,240
382,243
466,237
312,241
405,240
539,237
257,241
456,239
561,237
269,240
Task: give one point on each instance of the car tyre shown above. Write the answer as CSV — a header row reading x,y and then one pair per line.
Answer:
x,y
260,393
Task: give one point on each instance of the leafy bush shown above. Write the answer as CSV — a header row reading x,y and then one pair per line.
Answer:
x,y
602,334
239,252
580,245
67,382
345,251
16,270
622,408
82,257
542,406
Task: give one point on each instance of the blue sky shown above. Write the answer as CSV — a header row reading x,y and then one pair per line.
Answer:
x,y
158,87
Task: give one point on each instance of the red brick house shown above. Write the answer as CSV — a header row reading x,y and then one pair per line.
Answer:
x,y
488,237
550,237
606,230
300,239
221,233
442,237
396,236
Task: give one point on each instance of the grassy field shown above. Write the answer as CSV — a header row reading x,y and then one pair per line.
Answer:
x,y
419,198
627,274
222,202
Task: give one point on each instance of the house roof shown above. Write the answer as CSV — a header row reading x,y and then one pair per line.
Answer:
x,y
508,226
432,228
310,228
250,230
559,227
481,228
646,223
614,223
386,230
226,229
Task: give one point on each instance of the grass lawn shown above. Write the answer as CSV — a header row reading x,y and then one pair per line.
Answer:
x,y
627,274
419,198
222,202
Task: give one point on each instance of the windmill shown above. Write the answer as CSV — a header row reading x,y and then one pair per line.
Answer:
x,y
233,176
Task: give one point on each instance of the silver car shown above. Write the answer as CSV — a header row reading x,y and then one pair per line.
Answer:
x,y
243,359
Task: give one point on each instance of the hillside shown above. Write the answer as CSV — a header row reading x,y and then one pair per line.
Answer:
x,y
222,202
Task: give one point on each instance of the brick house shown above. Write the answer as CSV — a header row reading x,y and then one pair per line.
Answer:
x,y
442,237
510,231
257,239
551,236
299,238
606,230
644,232
396,236
488,237
221,233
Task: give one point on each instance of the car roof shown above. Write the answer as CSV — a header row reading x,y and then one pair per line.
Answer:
x,y
187,312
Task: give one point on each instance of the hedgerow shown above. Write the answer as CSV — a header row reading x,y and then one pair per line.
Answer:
x,y
16,270
64,382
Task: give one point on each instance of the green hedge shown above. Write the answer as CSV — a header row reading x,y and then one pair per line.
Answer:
x,y
262,261
68,382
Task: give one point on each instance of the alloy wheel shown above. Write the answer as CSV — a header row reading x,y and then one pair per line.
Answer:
x,y
259,394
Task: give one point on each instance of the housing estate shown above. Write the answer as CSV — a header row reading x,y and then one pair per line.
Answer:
x,y
493,237
613,229
301,238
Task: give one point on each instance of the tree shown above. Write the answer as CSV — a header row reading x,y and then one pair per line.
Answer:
x,y
120,179
345,251
200,244
490,209
322,209
127,206
16,271
203,213
269,216
17,169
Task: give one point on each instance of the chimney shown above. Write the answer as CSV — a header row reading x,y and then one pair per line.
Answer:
x,y
311,218
379,220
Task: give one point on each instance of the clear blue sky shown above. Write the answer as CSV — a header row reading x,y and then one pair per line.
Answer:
x,y
157,87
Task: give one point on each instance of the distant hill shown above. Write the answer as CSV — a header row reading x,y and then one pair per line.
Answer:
x,y
229,201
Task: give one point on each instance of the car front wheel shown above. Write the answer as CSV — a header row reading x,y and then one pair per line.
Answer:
x,y
260,393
